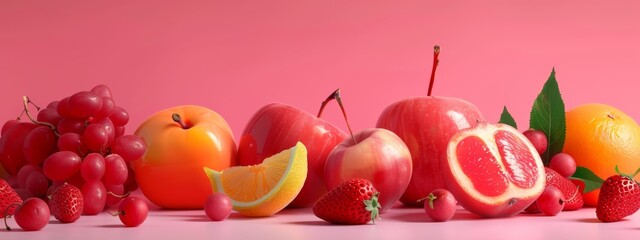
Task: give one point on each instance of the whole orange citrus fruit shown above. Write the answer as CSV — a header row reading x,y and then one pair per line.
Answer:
x,y
601,137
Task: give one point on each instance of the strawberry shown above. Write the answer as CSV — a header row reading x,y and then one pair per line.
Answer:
x,y
571,192
352,202
8,197
66,203
619,197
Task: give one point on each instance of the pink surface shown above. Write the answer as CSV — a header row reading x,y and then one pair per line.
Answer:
x,y
398,223
236,56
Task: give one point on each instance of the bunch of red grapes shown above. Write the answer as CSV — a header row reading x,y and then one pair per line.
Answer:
x,y
79,140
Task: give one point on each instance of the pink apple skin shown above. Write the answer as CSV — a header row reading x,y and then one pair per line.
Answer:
x,y
276,127
380,156
426,124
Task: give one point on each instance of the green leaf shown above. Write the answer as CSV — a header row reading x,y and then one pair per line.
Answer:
x,y
506,118
548,116
591,180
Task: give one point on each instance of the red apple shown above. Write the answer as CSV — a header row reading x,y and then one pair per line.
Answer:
x,y
276,127
379,156
426,124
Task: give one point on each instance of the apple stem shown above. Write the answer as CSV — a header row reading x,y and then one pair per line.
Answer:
x,y
25,110
176,118
436,52
336,95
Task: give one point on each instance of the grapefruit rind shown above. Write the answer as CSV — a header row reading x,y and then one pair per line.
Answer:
x,y
486,133
280,195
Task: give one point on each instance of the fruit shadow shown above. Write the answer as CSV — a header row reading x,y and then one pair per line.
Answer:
x,y
593,220
316,223
420,216
111,226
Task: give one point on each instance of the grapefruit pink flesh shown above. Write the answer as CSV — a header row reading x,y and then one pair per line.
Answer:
x,y
493,170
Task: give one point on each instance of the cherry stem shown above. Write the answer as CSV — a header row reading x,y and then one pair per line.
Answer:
x,y
25,102
115,214
336,95
119,196
176,118
436,52
6,215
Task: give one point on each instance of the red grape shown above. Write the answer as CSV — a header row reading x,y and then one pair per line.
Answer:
x,y
115,170
119,117
39,144
92,167
440,205
24,173
32,215
564,164
108,107
120,131
114,193
551,201
71,142
71,124
108,125
37,184
63,108
133,211
129,147
49,115
95,137
102,91
95,197
24,193
537,138
84,104
218,206
11,144
61,165
53,105
9,124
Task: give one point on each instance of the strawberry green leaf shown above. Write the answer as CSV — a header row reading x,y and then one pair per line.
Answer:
x,y
548,116
506,118
591,180
372,205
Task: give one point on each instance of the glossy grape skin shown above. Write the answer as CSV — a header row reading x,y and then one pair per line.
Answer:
x,y
11,147
551,201
32,215
92,167
94,195
108,107
119,117
537,138
95,137
101,90
71,142
24,173
84,104
8,124
71,124
113,199
116,171
37,184
218,206
61,165
108,126
49,115
129,147
63,108
133,211
39,144
564,164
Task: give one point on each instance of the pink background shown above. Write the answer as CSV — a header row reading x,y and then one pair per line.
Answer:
x,y
237,56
